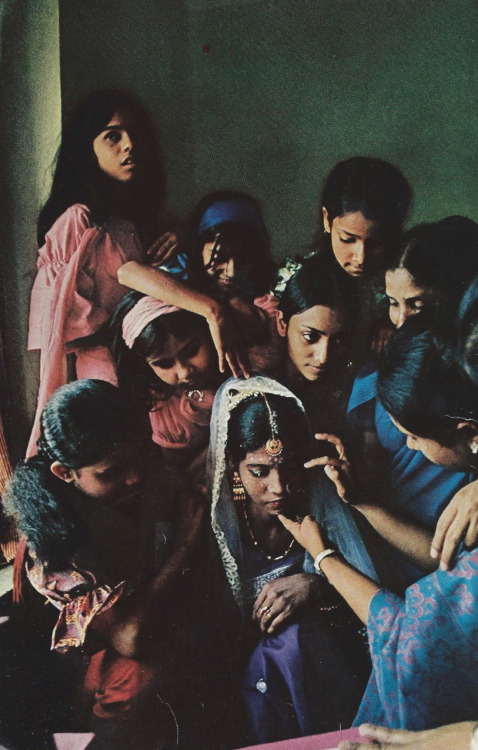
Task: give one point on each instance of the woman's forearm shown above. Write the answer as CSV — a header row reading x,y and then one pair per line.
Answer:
x,y
357,590
130,624
412,540
162,285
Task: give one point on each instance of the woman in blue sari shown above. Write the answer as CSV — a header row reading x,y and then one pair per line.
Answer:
x,y
423,646
429,273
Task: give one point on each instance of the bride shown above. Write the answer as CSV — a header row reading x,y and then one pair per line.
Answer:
x,y
304,663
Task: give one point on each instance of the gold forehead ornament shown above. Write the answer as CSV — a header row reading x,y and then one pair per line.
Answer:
x,y
274,446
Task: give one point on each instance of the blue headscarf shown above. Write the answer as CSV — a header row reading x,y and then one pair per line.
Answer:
x,y
237,211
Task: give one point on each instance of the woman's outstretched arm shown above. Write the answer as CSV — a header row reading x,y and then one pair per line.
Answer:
x,y
357,590
164,286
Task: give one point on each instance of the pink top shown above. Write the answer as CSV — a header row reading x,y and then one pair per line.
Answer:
x,y
183,422
74,292
327,741
267,357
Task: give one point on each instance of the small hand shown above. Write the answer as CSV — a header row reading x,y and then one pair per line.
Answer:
x,y
338,469
281,598
459,521
306,532
162,249
456,736
229,346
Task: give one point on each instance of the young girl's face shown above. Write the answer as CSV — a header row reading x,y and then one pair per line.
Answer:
x,y
357,243
187,364
315,340
228,266
119,148
405,297
267,481
117,476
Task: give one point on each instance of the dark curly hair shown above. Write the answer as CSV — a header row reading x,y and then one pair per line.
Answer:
x,y
79,425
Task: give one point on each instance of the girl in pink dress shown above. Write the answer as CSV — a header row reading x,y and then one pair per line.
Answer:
x,y
103,211
166,363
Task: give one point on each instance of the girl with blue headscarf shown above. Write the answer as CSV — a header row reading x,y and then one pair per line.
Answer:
x,y
222,271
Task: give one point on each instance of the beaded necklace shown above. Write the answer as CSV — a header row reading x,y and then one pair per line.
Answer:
x,y
271,558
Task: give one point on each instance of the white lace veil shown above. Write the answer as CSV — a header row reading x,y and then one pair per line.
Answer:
x,y
325,505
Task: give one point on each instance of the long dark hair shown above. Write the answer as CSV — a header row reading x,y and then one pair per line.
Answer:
x,y
78,179
252,236
318,282
135,377
424,393
374,187
80,424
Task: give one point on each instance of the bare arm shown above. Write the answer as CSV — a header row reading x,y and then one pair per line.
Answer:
x,y
412,540
162,285
357,590
130,625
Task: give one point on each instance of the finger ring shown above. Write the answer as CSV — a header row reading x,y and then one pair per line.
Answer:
x,y
264,611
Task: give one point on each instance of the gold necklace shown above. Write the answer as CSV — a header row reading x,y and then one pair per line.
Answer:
x,y
271,558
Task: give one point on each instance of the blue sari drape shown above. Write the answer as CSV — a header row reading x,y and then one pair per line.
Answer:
x,y
424,651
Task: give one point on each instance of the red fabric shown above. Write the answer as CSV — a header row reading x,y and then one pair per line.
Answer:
x,y
116,683
18,570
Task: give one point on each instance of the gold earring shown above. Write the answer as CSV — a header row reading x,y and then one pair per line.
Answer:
x,y
238,491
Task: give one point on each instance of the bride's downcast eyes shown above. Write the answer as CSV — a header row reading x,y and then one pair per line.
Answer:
x,y
260,472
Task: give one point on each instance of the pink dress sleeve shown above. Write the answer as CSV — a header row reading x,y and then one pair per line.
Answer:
x,y
267,357
73,294
181,421
55,305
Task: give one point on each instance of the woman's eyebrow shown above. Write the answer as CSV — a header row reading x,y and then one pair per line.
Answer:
x,y
313,330
350,234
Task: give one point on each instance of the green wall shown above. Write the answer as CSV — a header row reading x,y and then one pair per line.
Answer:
x,y
261,95
268,95
30,96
